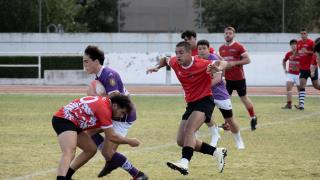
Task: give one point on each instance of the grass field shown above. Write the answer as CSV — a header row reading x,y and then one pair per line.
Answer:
x,y
286,144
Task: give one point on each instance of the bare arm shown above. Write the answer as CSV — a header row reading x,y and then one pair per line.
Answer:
x,y
217,77
115,138
284,65
162,63
244,60
313,70
217,66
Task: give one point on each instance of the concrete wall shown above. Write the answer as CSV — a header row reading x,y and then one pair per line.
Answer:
x,y
132,53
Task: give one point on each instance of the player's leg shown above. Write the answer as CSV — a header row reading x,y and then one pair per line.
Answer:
x,y
67,138
242,92
315,80
289,86
225,108
302,91
89,149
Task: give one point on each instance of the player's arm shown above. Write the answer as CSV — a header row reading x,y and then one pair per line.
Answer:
x,y
313,70
244,59
217,66
162,63
111,135
217,78
284,65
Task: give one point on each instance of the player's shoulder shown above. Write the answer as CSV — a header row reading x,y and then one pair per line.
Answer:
x,y
107,72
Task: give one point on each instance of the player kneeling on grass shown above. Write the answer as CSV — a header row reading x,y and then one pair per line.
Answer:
x,y
81,114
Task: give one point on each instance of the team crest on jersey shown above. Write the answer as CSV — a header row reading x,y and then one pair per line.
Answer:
x,y
112,82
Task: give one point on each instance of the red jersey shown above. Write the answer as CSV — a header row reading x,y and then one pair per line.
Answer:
x,y
233,52
195,51
314,59
88,112
293,63
196,82
305,59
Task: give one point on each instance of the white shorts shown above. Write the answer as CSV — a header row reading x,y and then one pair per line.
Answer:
x,y
293,78
121,128
223,104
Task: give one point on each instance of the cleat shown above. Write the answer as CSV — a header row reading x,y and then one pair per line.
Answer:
x,y
179,166
105,170
287,106
299,107
140,176
253,123
220,154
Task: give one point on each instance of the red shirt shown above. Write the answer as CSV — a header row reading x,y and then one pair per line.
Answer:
x,y
305,59
195,51
314,59
293,63
233,52
88,112
195,81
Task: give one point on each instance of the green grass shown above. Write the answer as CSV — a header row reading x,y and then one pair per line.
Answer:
x,y
285,146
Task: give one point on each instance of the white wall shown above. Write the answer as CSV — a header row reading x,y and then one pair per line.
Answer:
x,y
132,53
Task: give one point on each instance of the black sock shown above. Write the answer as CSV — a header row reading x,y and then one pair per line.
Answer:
x,y
61,178
70,173
207,149
187,152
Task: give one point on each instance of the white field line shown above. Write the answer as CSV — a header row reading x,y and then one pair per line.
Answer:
x,y
148,149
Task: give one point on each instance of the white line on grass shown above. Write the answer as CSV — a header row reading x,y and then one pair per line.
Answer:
x,y
148,149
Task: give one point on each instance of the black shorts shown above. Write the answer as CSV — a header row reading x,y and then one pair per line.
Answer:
x,y
60,125
240,86
226,113
306,74
205,105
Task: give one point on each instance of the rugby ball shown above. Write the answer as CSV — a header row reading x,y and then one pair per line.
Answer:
x,y
96,88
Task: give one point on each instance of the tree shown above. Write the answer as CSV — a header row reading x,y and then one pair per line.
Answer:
x,y
260,15
101,15
19,16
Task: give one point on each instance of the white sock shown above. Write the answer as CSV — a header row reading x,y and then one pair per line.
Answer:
x,y
238,139
215,136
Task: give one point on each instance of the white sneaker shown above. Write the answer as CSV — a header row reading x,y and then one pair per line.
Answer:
x,y
180,166
220,154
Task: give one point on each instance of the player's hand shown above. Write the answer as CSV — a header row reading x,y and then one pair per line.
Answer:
x,y
212,68
151,70
133,142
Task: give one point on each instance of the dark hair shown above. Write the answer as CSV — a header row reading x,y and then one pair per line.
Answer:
x,y
189,34
303,29
184,44
230,29
316,47
95,53
293,41
203,42
122,101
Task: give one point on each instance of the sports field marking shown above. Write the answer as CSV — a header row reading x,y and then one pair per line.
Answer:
x,y
148,149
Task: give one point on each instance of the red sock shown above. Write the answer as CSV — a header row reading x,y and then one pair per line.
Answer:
x,y
289,103
251,112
